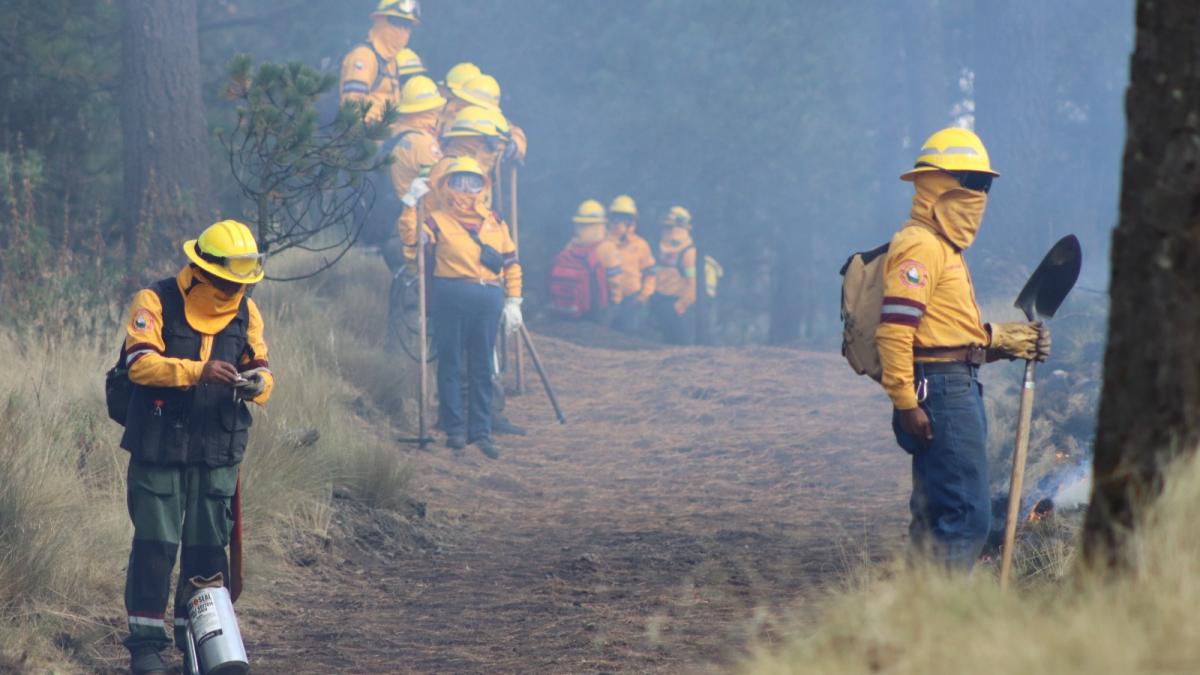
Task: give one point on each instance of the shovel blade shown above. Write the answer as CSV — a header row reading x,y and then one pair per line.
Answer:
x,y
1053,279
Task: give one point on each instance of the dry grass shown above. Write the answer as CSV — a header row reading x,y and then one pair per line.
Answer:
x,y
899,620
64,532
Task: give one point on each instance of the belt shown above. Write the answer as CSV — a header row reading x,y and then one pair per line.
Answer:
x,y
945,368
974,356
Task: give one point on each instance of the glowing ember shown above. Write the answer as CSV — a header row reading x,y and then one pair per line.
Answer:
x,y
1042,510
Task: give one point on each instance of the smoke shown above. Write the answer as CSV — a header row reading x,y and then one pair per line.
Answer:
x,y
1074,488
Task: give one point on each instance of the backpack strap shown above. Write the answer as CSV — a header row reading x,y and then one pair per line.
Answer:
x,y
382,70
390,144
679,261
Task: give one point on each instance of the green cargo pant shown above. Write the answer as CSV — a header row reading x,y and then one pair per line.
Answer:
x,y
169,506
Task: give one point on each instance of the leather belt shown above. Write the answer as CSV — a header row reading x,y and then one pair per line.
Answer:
x,y
975,356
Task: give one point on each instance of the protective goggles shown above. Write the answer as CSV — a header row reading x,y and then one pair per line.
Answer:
x,y
466,182
971,180
245,266
410,7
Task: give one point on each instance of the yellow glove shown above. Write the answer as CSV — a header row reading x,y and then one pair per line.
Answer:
x,y
1020,340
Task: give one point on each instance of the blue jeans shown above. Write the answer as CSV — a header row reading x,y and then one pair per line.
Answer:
x,y
950,504
466,315
627,316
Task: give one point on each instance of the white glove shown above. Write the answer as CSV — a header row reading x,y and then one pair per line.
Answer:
x,y
419,188
511,317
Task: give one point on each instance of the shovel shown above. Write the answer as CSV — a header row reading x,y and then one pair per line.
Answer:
x,y
1043,294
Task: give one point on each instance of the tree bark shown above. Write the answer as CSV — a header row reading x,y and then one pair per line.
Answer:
x,y
1150,405
167,190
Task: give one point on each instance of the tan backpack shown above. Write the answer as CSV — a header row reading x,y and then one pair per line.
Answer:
x,y
862,300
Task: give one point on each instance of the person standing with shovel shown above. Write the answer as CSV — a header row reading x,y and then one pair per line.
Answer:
x,y
932,341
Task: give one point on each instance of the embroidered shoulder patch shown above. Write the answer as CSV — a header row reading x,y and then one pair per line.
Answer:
x,y
913,274
143,320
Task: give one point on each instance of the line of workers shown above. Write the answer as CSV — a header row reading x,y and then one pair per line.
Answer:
x,y
451,146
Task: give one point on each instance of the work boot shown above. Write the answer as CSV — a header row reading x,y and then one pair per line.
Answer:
x,y
485,445
146,660
456,441
502,425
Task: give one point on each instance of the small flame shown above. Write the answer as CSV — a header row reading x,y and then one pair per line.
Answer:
x,y
1042,510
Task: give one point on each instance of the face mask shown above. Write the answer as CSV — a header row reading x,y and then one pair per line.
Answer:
x,y
392,38
959,212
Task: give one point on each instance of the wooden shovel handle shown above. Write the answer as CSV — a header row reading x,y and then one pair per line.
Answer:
x,y
1024,417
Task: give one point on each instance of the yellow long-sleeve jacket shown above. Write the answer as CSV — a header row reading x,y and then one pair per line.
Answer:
x,y
417,150
456,255
369,70
208,314
929,299
637,266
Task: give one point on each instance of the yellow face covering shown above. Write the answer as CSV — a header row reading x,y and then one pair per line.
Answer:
x,y
951,210
389,40
207,309
422,121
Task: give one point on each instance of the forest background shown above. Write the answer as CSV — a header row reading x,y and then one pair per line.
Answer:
x,y
782,128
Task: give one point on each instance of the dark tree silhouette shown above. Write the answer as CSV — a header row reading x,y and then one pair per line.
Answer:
x,y
1150,406
167,191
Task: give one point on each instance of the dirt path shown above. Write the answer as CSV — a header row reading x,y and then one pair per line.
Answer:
x,y
694,496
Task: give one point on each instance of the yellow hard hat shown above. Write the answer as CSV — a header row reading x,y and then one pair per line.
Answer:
x,y
408,63
460,75
678,217
227,250
419,94
483,91
591,212
405,9
476,121
951,149
464,164
623,204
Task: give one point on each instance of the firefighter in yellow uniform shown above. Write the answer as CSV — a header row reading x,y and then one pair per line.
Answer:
x,y
932,342
195,353
415,150
476,287
583,276
482,91
637,280
675,274
370,72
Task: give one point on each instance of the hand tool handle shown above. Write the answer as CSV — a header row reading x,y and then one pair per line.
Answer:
x,y
1024,418
514,214
422,329
235,545
537,365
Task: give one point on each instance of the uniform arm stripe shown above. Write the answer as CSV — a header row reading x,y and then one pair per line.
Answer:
x,y
355,87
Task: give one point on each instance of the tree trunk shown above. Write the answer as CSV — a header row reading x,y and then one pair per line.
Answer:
x,y
1150,406
167,192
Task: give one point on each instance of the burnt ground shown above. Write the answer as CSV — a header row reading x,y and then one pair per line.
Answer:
x,y
695,497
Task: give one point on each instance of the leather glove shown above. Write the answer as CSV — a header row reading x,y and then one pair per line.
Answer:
x,y
1020,340
643,297
681,307
510,316
419,188
253,385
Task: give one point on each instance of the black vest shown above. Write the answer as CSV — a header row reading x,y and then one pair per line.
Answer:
x,y
203,424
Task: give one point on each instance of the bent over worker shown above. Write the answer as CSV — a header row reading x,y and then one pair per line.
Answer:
x,y
637,280
476,283
371,72
932,342
195,352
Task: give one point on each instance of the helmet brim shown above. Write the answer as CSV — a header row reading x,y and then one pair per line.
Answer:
x,y
911,174
189,249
